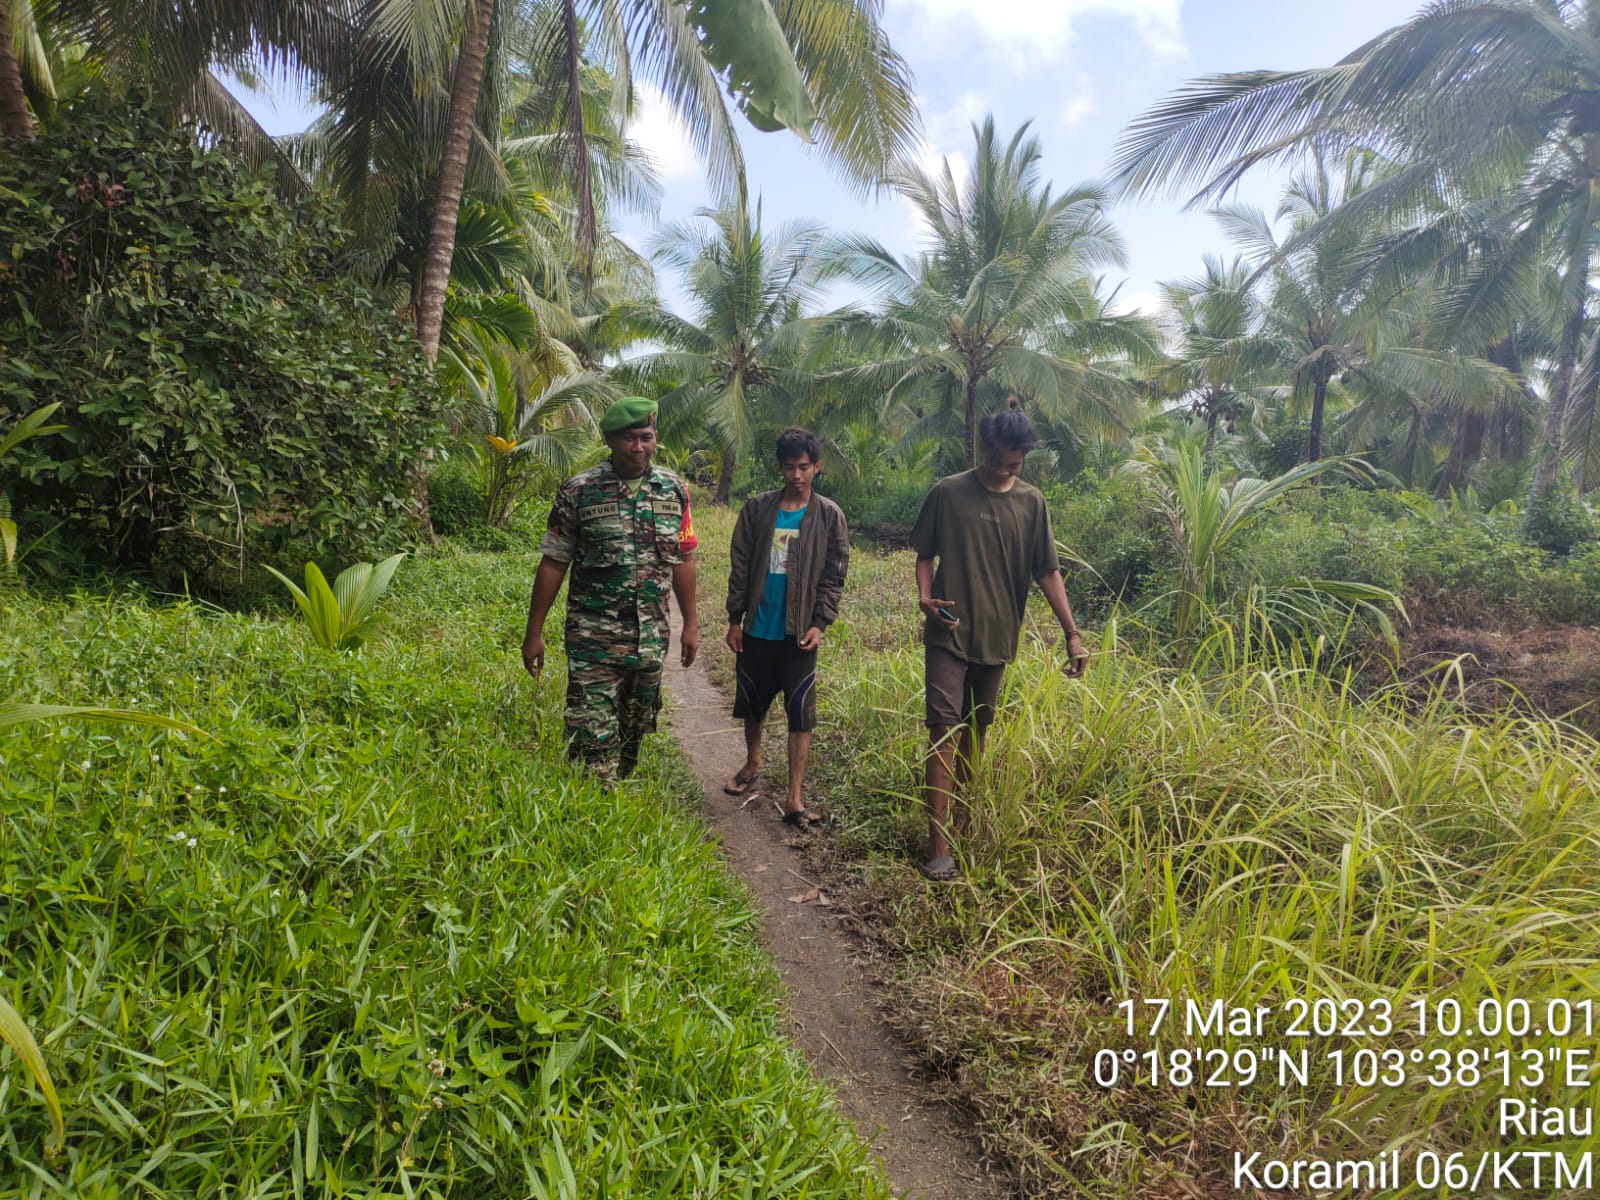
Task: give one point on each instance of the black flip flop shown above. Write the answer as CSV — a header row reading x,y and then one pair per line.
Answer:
x,y
741,783
802,818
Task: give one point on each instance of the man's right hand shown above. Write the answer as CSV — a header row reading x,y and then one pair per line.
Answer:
x,y
937,609
735,638
533,653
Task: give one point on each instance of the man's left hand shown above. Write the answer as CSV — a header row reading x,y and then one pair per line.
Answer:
x,y
811,638
689,639
1077,657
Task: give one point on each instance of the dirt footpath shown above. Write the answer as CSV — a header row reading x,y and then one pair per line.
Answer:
x,y
923,1144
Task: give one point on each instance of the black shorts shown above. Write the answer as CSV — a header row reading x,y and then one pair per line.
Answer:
x,y
767,668
959,691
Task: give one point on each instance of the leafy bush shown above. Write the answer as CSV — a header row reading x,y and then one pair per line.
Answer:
x,y
455,501
229,390
885,511
1560,522
1583,567
1284,451
31,425
1335,533
1448,562
457,506
1101,522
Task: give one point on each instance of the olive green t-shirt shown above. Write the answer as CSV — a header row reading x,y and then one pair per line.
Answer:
x,y
990,547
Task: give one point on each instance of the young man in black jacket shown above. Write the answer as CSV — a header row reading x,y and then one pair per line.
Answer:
x,y
789,555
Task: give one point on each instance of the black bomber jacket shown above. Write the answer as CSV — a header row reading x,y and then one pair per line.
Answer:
x,y
818,560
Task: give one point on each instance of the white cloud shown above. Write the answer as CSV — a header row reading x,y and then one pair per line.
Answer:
x,y
947,136
948,132
1148,304
1152,305
1079,109
663,136
946,141
1045,27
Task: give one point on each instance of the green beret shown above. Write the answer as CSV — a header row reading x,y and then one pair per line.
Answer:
x,y
628,413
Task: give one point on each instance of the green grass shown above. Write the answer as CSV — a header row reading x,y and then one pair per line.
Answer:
x,y
1251,832
376,939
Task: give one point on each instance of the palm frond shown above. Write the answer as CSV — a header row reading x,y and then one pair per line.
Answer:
x,y
864,91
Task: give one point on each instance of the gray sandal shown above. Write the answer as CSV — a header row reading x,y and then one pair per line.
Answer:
x,y
941,870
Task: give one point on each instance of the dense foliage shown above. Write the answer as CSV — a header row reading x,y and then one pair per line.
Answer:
x,y
229,389
1448,563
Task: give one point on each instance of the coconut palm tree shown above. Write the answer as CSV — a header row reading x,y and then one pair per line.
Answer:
x,y
1345,322
1222,362
1007,274
1314,311
822,68
174,51
1582,437
1476,290
516,240
521,274
1459,92
22,61
466,81
817,67
740,357
1204,515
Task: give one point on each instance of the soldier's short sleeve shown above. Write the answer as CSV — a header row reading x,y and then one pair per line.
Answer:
x,y
561,534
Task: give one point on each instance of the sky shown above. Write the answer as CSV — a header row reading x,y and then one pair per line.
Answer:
x,y
1079,70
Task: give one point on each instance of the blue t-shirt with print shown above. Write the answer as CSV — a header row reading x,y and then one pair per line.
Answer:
x,y
770,622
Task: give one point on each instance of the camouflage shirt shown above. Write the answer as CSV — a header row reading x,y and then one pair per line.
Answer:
x,y
622,547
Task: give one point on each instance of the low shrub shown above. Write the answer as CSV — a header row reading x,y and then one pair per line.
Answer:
x,y
1448,563
1101,522
456,502
1561,522
883,511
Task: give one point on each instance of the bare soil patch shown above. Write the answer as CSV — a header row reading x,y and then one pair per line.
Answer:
x,y
1551,670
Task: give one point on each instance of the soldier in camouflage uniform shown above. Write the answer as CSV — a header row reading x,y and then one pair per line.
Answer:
x,y
624,530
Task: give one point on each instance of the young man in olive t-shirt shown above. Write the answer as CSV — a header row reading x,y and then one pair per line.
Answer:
x,y
990,535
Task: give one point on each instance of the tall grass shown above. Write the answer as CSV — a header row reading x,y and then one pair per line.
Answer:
x,y
376,939
1262,828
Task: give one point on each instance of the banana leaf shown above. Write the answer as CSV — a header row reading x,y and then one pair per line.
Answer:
x,y
743,39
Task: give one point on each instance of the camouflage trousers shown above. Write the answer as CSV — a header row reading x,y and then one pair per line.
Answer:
x,y
609,710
